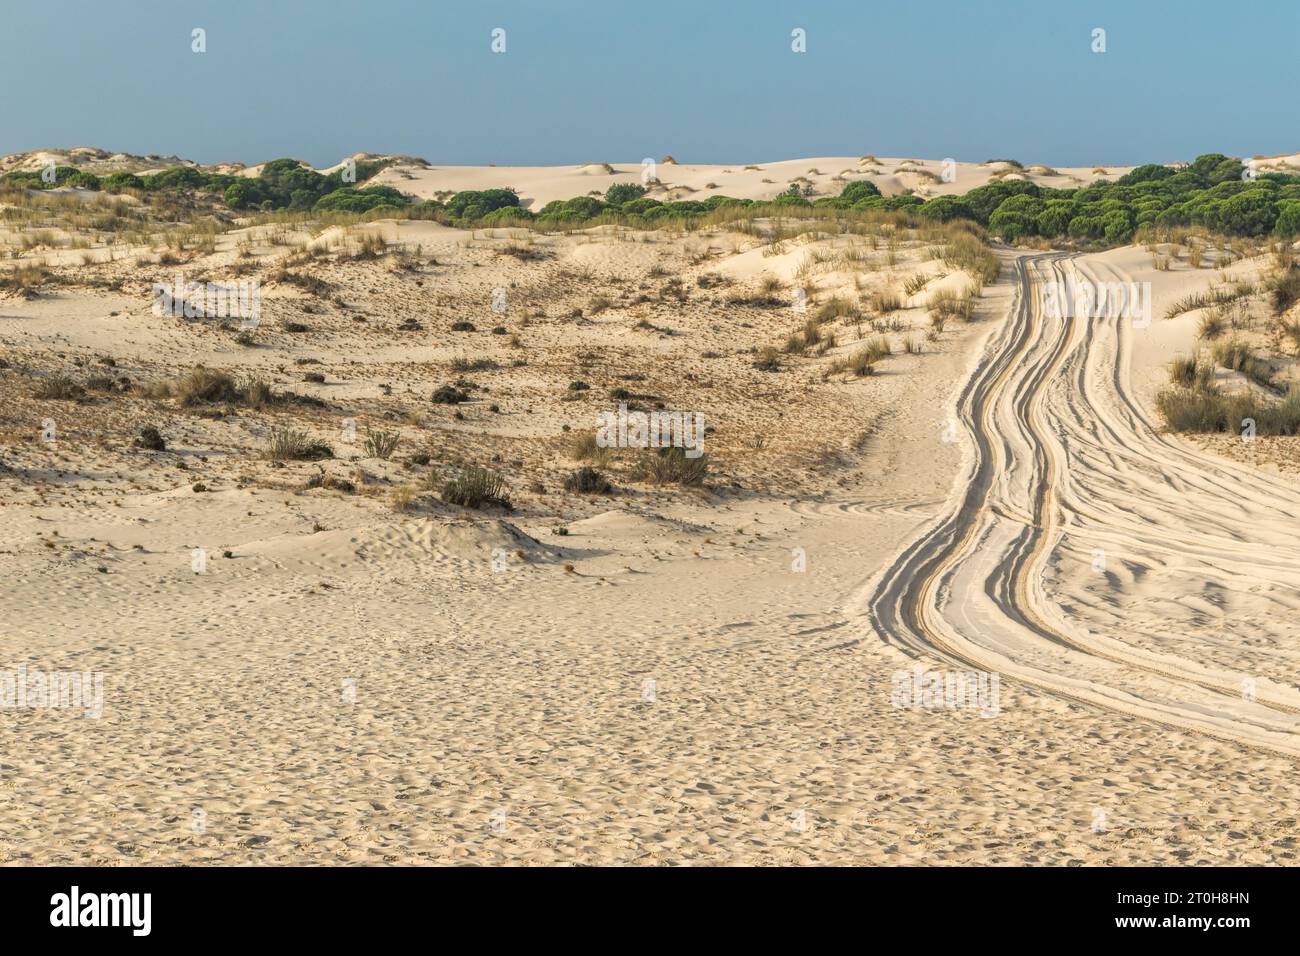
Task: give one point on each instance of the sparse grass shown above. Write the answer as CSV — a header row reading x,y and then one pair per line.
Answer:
x,y
483,364
59,388
401,497
916,283
286,443
860,363
202,386
967,251
767,360
671,466
1194,410
1209,297
886,300
1237,356
836,308
1211,326
1284,289
25,278
948,304
1190,372
585,448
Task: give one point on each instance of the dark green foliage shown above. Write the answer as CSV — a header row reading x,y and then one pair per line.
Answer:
x,y
63,176
943,208
477,203
620,193
1143,174
1288,218
505,215
115,182
985,199
639,207
357,200
280,184
1211,193
859,190
572,210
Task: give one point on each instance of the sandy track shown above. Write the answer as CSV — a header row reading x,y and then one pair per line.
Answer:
x,y
1063,463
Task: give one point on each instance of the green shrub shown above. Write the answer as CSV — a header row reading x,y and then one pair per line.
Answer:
x,y
620,193
477,203
861,189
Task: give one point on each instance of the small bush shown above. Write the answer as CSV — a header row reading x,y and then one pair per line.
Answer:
x,y
476,487
151,439
585,448
401,497
1238,357
588,481
886,301
1189,372
861,363
463,364
60,388
203,386
1210,326
291,444
381,444
449,395
1284,289
670,466
950,305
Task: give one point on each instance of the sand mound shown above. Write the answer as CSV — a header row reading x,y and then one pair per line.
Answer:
x,y
419,541
621,524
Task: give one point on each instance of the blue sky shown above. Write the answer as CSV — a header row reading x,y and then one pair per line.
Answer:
x,y
710,81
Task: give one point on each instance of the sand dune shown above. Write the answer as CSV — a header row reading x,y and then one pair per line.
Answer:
x,y
661,674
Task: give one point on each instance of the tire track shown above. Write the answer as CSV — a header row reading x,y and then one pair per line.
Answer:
x,y
1046,412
